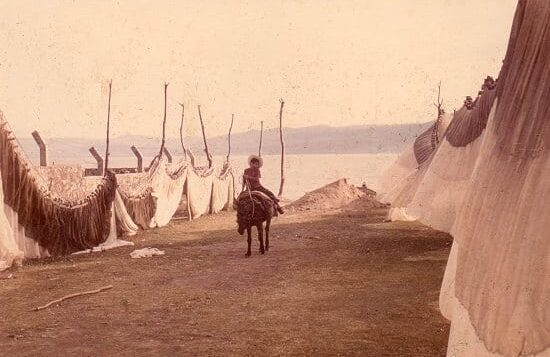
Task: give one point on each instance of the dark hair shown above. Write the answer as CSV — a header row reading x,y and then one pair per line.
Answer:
x,y
255,160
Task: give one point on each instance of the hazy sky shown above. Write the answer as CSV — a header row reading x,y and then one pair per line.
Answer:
x,y
334,62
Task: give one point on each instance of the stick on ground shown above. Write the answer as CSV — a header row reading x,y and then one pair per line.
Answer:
x,y
72,296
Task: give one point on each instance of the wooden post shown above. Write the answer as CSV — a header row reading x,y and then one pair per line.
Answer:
x,y
139,158
98,159
208,157
42,147
108,129
189,213
261,138
191,157
181,131
229,138
440,112
282,148
439,104
164,122
168,155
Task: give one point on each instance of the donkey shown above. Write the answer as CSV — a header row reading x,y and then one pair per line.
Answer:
x,y
253,209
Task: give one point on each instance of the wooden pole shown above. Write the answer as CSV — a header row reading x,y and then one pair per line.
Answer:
x,y
261,138
189,213
439,104
42,147
229,137
108,130
208,157
167,154
139,157
98,159
163,142
191,157
181,131
282,148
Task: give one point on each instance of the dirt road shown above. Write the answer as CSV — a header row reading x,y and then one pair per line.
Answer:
x,y
340,283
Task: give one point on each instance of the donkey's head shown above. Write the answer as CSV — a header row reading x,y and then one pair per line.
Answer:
x,y
241,228
244,216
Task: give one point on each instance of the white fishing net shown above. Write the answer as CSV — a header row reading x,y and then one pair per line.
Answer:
x,y
441,191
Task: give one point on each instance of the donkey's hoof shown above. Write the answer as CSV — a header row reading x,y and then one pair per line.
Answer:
x,y
247,254
262,251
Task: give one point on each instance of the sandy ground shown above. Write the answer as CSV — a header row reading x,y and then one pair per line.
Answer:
x,y
338,283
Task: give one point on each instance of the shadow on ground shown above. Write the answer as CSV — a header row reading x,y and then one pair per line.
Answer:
x,y
333,283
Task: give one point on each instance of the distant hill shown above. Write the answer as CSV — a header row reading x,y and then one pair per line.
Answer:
x,y
307,140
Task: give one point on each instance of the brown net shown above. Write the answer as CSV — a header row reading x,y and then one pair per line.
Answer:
x,y
469,121
136,191
525,80
426,143
503,265
141,208
61,226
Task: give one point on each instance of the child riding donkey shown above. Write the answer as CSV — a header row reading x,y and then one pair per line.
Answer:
x,y
251,180
256,206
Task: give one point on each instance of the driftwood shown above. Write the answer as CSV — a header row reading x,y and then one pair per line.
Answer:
x,y
208,157
72,296
282,148
108,129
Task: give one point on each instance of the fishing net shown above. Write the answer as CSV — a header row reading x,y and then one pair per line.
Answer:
x,y
441,192
223,189
503,265
58,225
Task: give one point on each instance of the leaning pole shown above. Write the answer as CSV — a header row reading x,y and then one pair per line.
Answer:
x,y
281,187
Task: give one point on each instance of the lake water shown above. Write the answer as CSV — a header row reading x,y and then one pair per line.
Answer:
x,y
303,173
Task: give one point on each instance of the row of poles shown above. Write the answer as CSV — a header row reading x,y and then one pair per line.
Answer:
x,y
208,156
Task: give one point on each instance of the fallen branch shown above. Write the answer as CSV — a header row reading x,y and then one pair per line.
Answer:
x,y
72,296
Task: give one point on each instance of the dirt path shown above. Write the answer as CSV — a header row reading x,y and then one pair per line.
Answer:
x,y
343,283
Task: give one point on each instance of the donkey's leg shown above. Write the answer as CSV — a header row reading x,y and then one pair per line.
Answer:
x,y
249,234
267,225
261,236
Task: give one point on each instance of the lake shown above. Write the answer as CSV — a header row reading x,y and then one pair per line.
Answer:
x,y
303,173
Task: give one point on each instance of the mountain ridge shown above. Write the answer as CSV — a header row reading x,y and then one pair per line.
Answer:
x,y
320,139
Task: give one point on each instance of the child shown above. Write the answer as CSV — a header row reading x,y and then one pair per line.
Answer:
x,y
252,175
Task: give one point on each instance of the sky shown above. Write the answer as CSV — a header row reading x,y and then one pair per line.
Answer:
x,y
334,62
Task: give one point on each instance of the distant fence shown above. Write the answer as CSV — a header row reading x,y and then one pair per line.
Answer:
x,y
98,170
